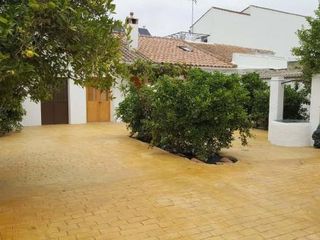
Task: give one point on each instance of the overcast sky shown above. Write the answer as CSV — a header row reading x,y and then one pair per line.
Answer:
x,y
163,17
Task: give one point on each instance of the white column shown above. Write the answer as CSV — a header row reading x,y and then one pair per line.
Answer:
x,y
276,99
315,103
77,103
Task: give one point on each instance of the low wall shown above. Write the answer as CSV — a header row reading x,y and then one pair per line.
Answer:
x,y
294,134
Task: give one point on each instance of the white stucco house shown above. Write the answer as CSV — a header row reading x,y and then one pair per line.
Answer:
x,y
254,27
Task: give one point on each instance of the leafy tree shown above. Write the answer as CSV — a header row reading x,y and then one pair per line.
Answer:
x,y
45,42
309,50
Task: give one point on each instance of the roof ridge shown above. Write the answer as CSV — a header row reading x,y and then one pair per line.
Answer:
x,y
232,11
218,57
242,12
274,10
230,45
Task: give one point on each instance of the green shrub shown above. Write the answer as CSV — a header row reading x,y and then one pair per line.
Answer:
x,y
257,105
295,99
135,110
11,113
196,116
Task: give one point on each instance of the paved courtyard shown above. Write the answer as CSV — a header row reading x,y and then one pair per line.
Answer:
x,y
94,182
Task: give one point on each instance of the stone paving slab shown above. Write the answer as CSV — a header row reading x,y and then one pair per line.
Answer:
x,y
94,182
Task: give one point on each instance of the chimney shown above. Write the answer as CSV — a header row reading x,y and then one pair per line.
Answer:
x,y
134,35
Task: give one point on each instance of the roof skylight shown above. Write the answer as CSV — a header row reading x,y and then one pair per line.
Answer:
x,y
186,48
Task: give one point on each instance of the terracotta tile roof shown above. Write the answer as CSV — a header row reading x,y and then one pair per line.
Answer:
x,y
166,50
225,52
130,56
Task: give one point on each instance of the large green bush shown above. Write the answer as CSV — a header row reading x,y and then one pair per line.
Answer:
x,y
197,116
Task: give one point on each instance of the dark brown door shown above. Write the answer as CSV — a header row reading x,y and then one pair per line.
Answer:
x,y
56,110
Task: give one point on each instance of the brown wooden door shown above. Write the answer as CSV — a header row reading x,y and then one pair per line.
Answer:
x,y
55,111
98,105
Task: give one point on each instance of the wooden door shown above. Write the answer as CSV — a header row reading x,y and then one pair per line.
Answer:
x,y
98,105
56,111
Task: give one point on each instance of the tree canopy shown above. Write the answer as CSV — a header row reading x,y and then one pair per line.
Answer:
x,y
309,50
44,42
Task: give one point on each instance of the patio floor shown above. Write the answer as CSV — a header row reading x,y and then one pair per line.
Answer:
x,y
94,182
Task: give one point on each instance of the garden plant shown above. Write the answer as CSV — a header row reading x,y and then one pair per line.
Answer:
x,y
196,116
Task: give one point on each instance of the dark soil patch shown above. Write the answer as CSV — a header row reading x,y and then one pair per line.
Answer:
x,y
215,159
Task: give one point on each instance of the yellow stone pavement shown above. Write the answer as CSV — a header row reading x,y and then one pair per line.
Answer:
x,y
94,182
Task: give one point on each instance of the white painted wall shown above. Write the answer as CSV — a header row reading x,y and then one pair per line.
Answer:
x,y
77,103
33,113
290,134
257,28
118,97
258,61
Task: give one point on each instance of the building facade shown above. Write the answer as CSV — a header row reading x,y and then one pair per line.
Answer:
x,y
254,27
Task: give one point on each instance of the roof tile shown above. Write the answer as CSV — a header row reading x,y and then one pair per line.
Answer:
x,y
167,50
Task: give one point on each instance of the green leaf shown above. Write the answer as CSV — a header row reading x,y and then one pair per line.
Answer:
x,y
3,20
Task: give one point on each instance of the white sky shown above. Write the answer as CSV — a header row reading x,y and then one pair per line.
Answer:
x,y
163,17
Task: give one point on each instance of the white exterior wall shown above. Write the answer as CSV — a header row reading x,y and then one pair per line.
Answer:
x,y
33,113
262,29
77,103
290,134
258,61
118,97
